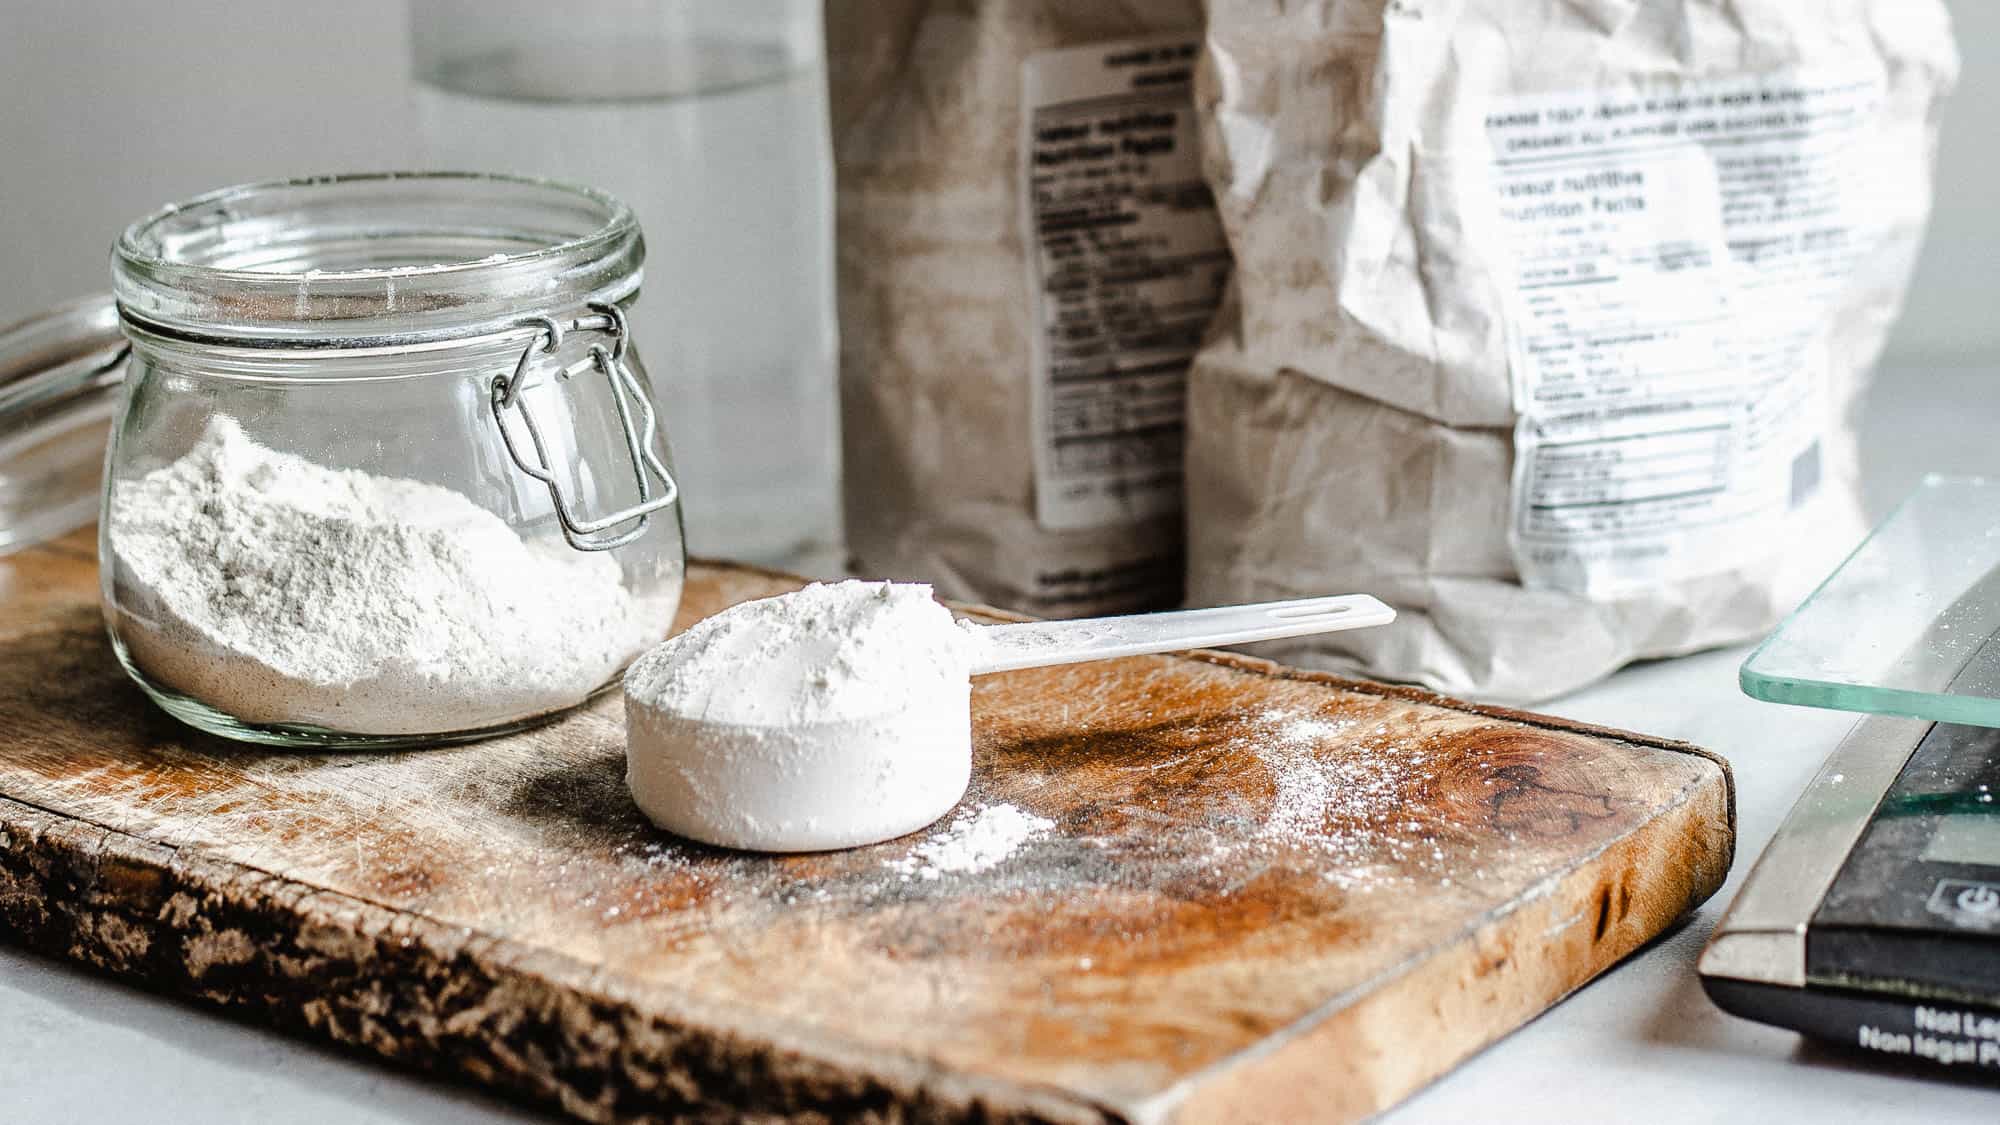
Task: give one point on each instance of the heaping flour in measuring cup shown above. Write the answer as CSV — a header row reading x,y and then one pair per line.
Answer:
x,y
829,717
278,590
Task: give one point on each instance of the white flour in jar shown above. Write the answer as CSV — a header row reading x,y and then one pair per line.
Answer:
x,y
278,590
829,717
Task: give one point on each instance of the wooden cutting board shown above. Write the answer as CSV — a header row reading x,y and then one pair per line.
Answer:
x,y
1268,894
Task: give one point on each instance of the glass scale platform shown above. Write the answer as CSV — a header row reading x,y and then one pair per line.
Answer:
x,y
1910,623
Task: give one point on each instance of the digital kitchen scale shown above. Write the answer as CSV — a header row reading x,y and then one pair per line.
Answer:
x,y
1873,917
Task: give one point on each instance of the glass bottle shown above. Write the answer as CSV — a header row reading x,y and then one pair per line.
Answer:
x,y
709,117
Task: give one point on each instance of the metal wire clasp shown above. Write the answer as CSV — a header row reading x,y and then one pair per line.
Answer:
x,y
588,534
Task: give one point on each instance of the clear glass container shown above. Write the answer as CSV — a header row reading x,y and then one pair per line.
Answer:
x,y
59,375
387,468
709,117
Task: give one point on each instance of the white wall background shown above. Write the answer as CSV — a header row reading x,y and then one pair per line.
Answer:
x,y
112,107
1951,315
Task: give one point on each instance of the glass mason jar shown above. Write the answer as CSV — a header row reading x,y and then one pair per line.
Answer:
x,y
387,468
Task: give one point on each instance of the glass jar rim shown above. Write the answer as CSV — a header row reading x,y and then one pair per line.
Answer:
x,y
373,259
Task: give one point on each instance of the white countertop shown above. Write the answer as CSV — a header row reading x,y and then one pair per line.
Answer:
x,y
1641,1042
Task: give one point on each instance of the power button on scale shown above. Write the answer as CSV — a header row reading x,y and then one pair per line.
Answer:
x,y
1966,902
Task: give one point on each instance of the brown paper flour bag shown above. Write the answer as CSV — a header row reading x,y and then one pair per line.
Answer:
x,y
1549,319
1028,258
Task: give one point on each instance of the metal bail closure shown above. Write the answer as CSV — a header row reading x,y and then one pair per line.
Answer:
x,y
589,534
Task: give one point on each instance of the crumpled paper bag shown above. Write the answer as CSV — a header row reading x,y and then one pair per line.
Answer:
x,y
1356,421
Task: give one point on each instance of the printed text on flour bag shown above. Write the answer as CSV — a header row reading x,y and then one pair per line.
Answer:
x,y
1674,256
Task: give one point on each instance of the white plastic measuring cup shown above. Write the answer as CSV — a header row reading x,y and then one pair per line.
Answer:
x,y
841,784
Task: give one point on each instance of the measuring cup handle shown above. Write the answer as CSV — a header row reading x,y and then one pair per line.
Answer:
x,y
1037,644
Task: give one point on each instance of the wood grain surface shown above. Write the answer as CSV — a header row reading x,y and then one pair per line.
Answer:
x,y
1269,895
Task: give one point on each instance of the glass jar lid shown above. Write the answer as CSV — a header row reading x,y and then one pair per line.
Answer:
x,y
373,260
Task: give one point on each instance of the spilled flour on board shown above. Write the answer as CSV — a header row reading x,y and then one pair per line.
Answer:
x,y
979,839
1345,801
1289,796
1306,790
1353,813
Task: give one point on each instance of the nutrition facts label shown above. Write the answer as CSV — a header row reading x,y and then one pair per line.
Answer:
x,y
1127,265
1675,256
